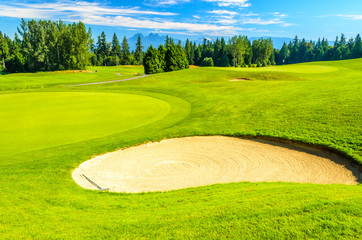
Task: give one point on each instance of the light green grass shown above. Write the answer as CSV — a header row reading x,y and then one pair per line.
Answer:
x,y
60,79
318,103
32,121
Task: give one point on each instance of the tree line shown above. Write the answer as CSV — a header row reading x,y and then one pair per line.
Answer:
x,y
46,45
113,53
298,51
239,51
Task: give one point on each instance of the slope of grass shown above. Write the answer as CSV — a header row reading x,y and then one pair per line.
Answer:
x,y
51,79
316,103
32,121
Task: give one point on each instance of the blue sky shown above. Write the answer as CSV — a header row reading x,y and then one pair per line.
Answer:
x,y
195,19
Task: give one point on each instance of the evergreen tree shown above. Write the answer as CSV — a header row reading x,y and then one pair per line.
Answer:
x,y
293,58
217,49
197,54
102,48
125,52
188,51
161,57
207,62
357,47
115,49
139,52
223,58
4,49
284,54
151,61
171,58
181,57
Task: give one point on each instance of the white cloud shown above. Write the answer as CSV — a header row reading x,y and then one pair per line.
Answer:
x,y
220,22
260,21
166,2
279,15
122,21
222,12
250,15
96,14
228,3
351,17
226,21
50,10
288,24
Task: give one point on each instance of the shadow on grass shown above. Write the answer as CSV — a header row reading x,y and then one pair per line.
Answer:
x,y
4,73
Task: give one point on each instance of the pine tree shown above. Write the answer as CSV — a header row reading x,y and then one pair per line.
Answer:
x,y
115,49
171,58
357,47
151,61
284,54
293,58
224,60
102,48
188,51
139,52
4,49
197,54
125,52
161,57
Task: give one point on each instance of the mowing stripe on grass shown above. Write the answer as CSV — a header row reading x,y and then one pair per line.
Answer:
x,y
95,83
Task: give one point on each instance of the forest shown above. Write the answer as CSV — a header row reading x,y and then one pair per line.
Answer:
x,y
46,45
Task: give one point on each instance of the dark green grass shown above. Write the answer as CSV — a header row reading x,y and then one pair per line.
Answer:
x,y
316,103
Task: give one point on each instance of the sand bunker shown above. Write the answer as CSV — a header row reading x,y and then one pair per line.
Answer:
x,y
199,161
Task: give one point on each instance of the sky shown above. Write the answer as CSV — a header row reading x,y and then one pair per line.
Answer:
x,y
183,19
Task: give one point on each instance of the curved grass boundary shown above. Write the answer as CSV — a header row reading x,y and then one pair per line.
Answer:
x,y
46,120
179,110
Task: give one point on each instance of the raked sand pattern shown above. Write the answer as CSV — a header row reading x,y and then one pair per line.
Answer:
x,y
198,161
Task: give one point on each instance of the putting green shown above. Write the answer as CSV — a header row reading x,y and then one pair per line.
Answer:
x,y
33,121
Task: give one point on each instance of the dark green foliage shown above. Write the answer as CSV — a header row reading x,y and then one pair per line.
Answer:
x,y
151,61
357,47
139,51
238,52
302,51
125,59
171,58
262,50
161,56
4,50
15,63
102,49
49,45
207,62
115,51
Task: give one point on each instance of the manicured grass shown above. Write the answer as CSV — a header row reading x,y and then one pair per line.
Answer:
x,y
316,103
32,121
60,79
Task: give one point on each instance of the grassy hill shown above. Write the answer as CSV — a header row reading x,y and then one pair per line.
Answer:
x,y
48,129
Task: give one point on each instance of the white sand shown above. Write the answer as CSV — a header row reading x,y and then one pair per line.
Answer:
x,y
199,161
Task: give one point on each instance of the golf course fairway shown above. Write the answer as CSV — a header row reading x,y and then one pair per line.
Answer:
x,y
47,130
